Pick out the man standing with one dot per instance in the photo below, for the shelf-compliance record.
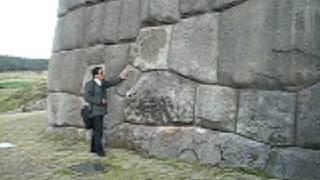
(95, 95)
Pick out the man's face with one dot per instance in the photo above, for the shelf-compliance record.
(101, 74)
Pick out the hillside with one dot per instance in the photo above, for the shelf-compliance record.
(10, 63)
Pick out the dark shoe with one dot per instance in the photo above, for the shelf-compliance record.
(93, 151)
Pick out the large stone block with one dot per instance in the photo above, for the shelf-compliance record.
(116, 59)
(294, 163)
(187, 143)
(130, 20)
(270, 44)
(64, 110)
(69, 32)
(66, 5)
(161, 98)
(192, 143)
(111, 22)
(216, 107)
(66, 71)
(92, 29)
(308, 121)
(237, 151)
(115, 107)
(164, 11)
(267, 116)
(189, 7)
(194, 48)
(151, 48)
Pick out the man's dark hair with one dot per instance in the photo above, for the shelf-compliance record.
(95, 71)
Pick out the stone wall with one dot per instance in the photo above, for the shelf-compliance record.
(224, 82)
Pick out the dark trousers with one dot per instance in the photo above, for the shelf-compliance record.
(96, 138)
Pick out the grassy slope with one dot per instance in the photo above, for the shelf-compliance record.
(19, 88)
(40, 155)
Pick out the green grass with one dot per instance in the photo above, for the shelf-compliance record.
(40, 155)
(19, 88)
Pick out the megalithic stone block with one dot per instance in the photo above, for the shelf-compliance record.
(270, 44)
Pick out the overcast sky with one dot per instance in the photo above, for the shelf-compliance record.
(27, 27)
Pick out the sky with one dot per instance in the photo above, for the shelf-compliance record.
(27, 27)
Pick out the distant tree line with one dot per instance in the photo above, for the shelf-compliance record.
(10, 63)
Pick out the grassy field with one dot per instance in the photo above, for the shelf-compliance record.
(40, 155)
(19, 88)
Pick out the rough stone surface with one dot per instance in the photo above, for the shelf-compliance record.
(263, 44)
(224, 4)
(130, 19)
(66, 71)
(192, 143)
(64, 110)
(161, 98)
(308, 122)
(216, 107)
(194, 48)
(92, 29)
(238, 151)
(111, 22)
(70, 31)
(186, 143)
(132, 78)
(116, 59)
(164, 11)
(115, 107)
(294, 163)
(267, 116)
(151, 48)
(189, 7)
(66, 5)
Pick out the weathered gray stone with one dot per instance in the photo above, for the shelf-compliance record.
(132, 77)
(66, 71)
(64, 110)
(216, 107)
(130, 19)
(224, 4)
(194, 6)
(115, 107)
(70, 31)
(238, 151)
(261, 44)
(194, 48)
(111, 22)
(187, 143)
(95, 54)
(92, 29)
(267, 116)
(116, 59)
(132, 137)
(151, 48)
(308, 121)
(294, 163)
(192, 143)
(66, 5)
(161, 98)
(164, 11)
